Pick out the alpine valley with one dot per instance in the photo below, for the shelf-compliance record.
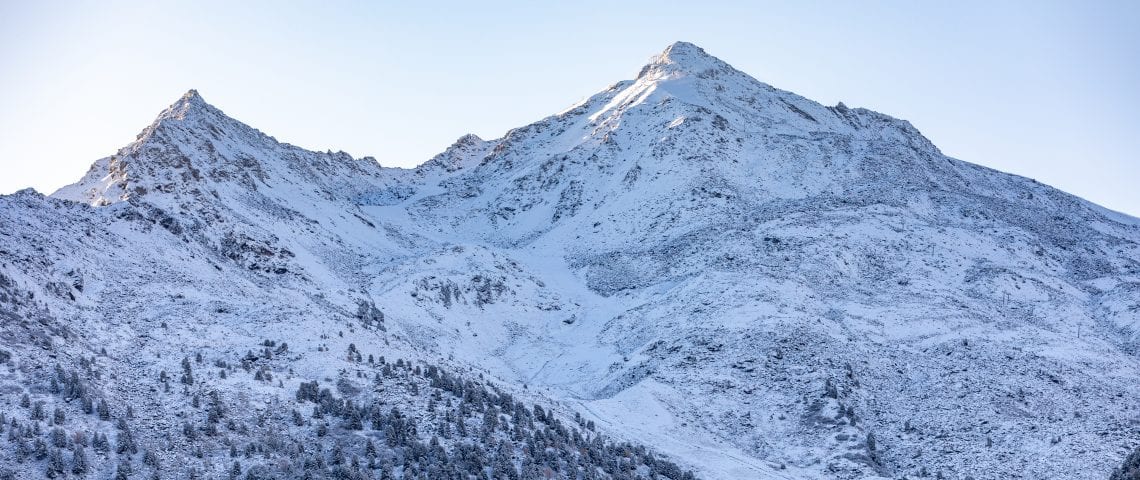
(691, 274)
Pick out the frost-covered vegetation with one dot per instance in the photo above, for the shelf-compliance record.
(379, 419)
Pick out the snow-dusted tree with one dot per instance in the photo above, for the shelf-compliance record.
(187, 374)
(55, 466)
(79, 460)
(1130, 470)
(123, 470)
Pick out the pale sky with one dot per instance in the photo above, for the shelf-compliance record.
(1048, 90)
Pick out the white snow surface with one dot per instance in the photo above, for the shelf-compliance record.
(745, 280)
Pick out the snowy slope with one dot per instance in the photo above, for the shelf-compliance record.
(725, 249)
(749, 282)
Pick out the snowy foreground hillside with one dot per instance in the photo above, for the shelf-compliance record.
(691, 274)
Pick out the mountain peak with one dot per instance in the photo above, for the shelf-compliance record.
(191, 102)
(194, 147)
(192, 97)
(681, 58)
(192, 94)
(683, 50)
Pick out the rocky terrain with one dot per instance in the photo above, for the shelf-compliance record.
(691, 271)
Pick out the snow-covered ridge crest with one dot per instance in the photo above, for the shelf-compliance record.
(193, 148)
(688, 83)
(467, 151)
(119, 177)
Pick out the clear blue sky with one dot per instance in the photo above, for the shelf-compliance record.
(1042, 89)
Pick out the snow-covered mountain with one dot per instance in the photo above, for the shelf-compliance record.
(741, 279)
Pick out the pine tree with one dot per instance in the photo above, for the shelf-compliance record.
(123, 471)
(55, 466)
(39, 449)
(100, 443)
(125, 443)
(151, 459)
(187, 374)
(1130, 470)
(78, 460)
(58, 437)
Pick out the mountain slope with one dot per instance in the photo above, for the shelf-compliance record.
(207, 318)
(749, 282)
(742, 248)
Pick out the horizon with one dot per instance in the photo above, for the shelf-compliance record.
(982, 90)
